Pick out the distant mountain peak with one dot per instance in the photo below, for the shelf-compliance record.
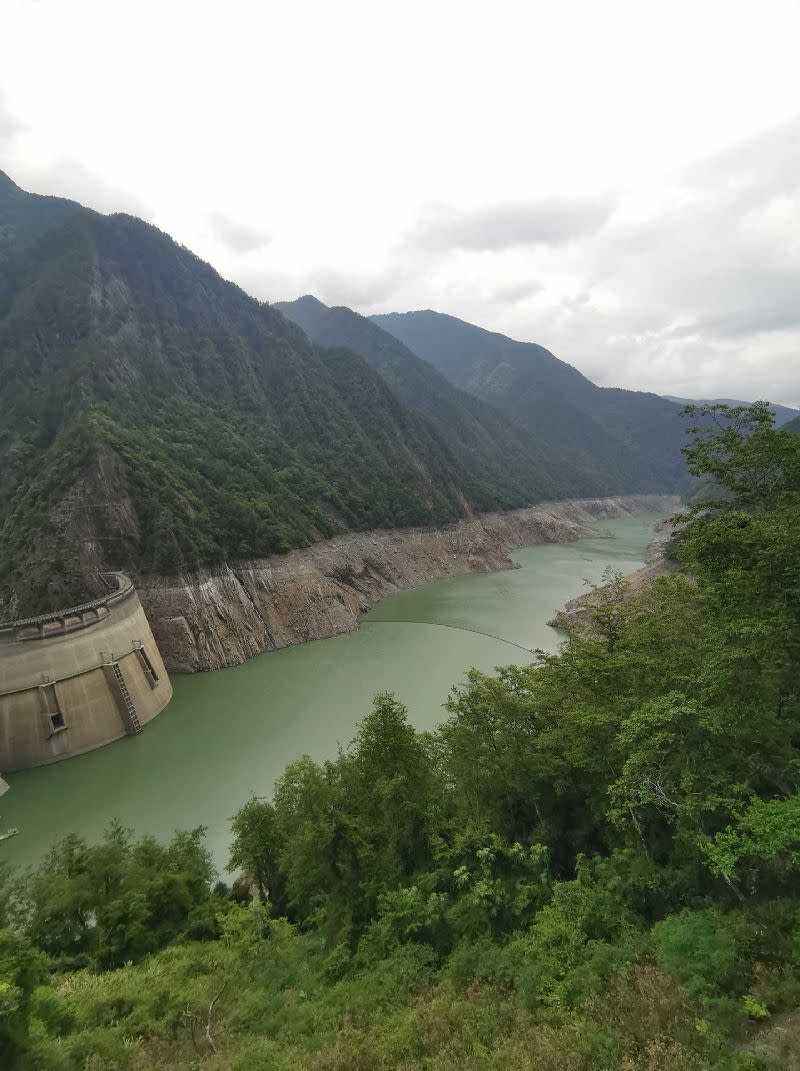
(306, 301)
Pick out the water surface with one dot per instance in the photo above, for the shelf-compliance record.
(229, 734)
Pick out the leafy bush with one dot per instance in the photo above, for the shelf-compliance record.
(699, 948)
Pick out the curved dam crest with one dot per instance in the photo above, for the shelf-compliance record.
(228, 735)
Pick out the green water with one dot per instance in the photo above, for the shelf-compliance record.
(229, 734)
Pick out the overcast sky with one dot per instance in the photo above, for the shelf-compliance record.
(619, 182)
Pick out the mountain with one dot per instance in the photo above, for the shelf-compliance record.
(793, 426)
(155, 417)
(499, 464)
(782, 413)
(634, 438)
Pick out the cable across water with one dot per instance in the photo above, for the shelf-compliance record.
(442, 624)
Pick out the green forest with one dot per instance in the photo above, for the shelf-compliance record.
(592, 864)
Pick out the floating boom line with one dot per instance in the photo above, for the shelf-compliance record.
(442, 624)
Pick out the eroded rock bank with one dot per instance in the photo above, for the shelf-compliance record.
(222, 616)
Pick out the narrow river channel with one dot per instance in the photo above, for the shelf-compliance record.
(228, 735)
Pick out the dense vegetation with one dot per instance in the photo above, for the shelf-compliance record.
(593, 864)
(632, 437)
(494, 455)
(155, 417)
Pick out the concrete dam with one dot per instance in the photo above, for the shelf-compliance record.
(78, 678)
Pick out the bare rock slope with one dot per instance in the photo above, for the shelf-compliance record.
(224, 615)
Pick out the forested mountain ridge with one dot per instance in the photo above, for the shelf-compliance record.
(154, 416)
(634, 438)
(496, 457)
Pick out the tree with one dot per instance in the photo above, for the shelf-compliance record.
(118, 900)
(767, 831)
(256, 851)
(698, 947)
(739, 448)
(683, 767)
(22, 968)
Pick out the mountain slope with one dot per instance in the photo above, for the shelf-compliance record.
(155, 417)
(500, 465)
(782, 413)
(634, 438)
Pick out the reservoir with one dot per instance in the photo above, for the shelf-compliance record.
(229, 735)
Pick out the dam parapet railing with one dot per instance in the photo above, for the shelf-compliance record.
(72, 617)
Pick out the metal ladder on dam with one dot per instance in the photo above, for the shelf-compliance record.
(130, 709)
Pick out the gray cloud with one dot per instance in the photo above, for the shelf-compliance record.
(702, 292)
(780, 313)
(364, 291)
(765, 163)
(516, 292)
(240, 237)
(547, 221)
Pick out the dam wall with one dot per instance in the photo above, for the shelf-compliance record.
(76, 679)
(223, 615)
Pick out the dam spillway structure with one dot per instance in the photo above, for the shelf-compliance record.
(76, 679)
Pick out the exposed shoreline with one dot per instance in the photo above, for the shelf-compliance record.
(224, 615)
(575, 616)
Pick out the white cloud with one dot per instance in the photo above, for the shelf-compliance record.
(10, 125)
(241, 237)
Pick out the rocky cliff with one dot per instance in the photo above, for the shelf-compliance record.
(222, 616)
